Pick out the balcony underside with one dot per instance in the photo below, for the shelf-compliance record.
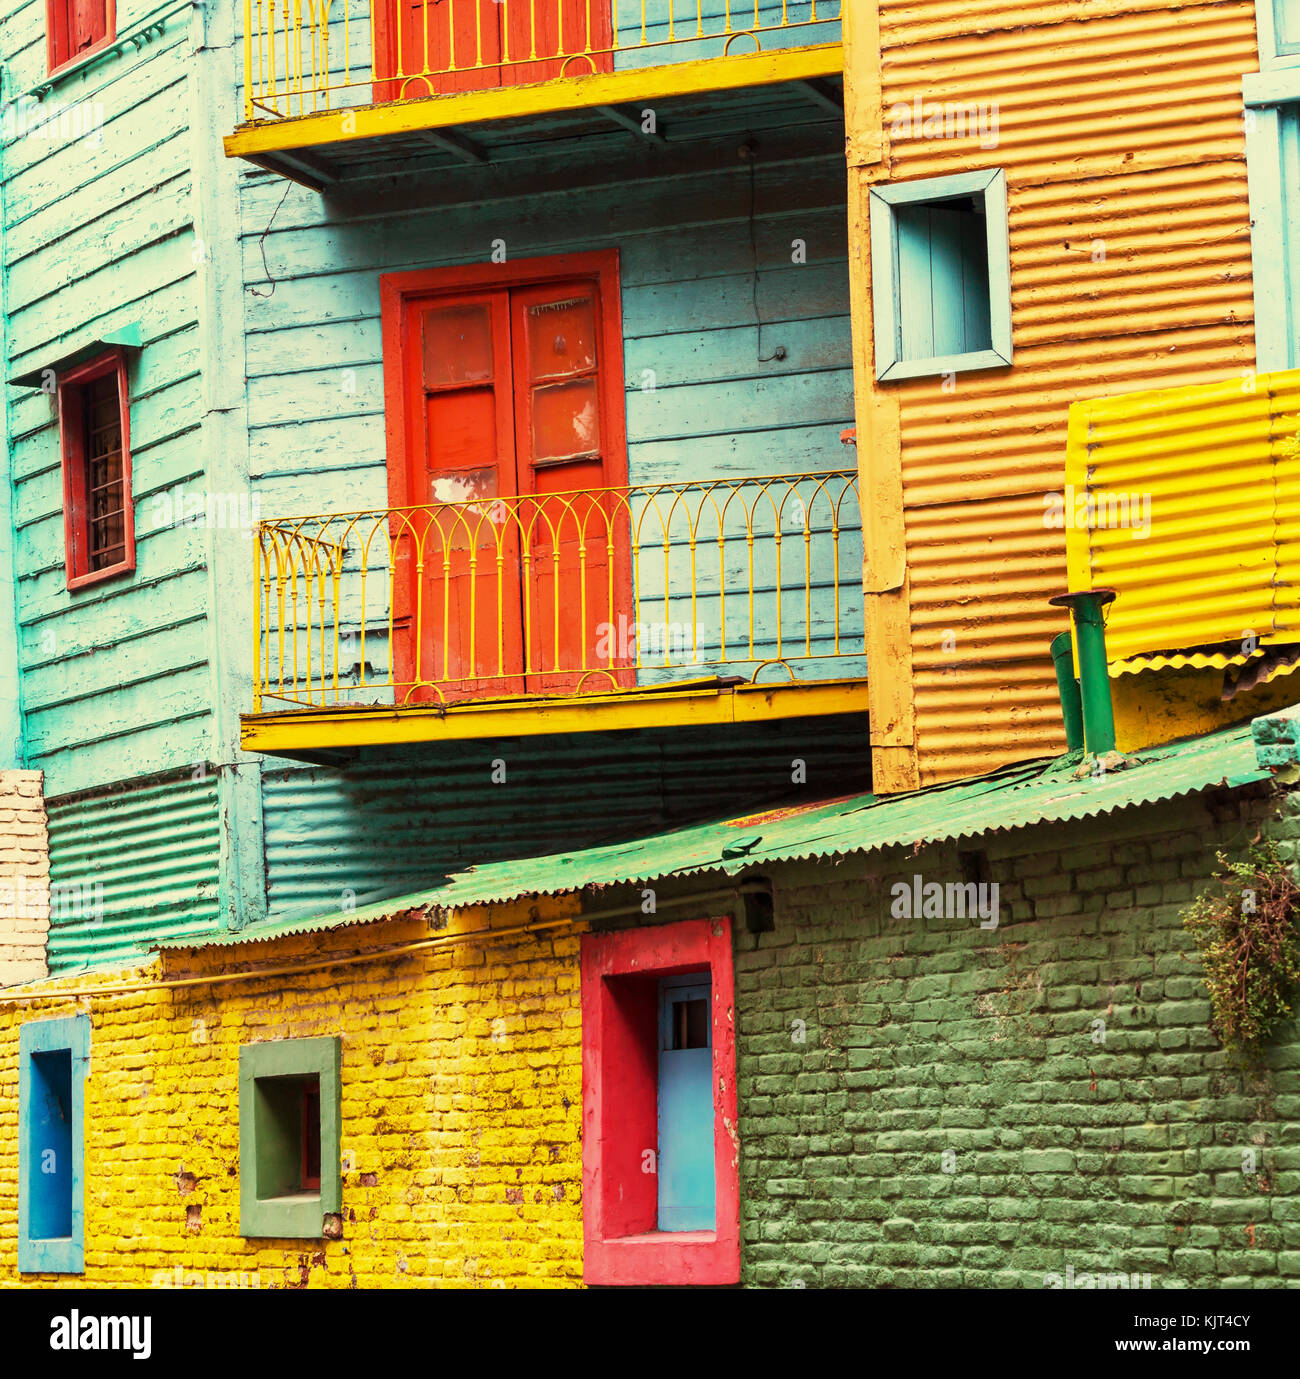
(328, 734)
(329, 147)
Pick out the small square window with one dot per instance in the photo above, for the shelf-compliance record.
(289, 1137)
(940, 275)
(74, 28)
(53, 1057)
(95, 437)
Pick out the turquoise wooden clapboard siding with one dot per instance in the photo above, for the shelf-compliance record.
(700, 402)
(137, 863)
(97, 233)
(386, 826)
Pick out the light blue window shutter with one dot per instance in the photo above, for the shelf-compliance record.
(943, 282)
(915, 294)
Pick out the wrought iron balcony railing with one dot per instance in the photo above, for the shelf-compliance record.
(562, 593)
(305, 56)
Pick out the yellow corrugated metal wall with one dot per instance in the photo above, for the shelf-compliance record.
(1214, 470)
(1120, 129)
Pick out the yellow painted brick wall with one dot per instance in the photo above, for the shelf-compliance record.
(461, 1112)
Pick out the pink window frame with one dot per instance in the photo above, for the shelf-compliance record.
(620, 975)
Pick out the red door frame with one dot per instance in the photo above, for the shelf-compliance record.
(400, 293)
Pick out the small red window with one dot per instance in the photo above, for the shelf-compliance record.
(94, 431)
(77, 27)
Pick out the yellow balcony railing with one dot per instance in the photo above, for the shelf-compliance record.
(306, 56)
(562, 593)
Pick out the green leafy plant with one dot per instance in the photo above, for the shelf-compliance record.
(1245, 928)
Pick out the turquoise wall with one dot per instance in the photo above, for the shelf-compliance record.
(112, 207)
(98, 233)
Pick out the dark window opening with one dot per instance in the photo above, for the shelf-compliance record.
(288, 1136)
(49, 1207)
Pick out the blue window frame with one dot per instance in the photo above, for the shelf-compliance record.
(687, 1190)
(54, 1056)
(941, 275)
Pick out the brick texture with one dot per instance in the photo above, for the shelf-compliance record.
(461, 1114)
(923, 1102)
(926, 1103)
(24, 878)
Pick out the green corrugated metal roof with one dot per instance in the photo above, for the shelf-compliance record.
(1016, 797)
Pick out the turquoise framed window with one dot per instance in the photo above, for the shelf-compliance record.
(1273, 172)
(289, 1127)
(54, 1056)
(941, 275)
(1278, 25)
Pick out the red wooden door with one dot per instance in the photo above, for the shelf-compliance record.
(462, 551)
(435, 47)
(513, 567)
(576, 540)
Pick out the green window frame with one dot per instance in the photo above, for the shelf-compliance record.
(272, 1077)
(941, 290)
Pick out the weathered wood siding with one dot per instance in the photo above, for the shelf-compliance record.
(98, 232)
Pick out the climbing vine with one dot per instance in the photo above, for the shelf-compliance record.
(1245, 928)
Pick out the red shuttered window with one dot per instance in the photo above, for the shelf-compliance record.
(95, 435)
(74, 28)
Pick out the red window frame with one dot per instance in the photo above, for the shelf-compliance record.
(620, 1030)
(72, 388)
(61, 37)
(309, 1181)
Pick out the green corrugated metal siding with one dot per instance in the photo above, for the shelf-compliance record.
(1017, 797)
(388, 825)
(145, 857)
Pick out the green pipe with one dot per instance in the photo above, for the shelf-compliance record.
(1088, 610)
(1071, 700)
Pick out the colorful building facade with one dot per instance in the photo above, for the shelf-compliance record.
(538, 754)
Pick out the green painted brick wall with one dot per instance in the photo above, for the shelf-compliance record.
(926, 1038)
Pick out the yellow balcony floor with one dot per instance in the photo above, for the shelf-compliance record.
(324, 733)
(324, 147)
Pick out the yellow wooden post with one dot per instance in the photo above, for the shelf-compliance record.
(886, 596)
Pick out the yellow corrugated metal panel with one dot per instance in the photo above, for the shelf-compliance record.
(1196, 660)
(1130, 269)
(1212, 471)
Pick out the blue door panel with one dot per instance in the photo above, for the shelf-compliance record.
(686, 1153)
